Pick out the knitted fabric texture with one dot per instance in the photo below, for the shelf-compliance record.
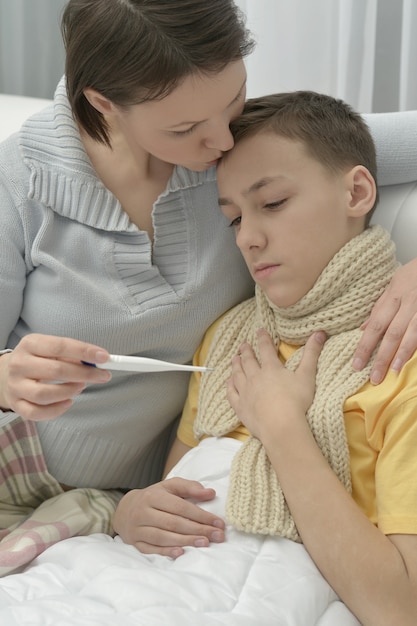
(338, 303)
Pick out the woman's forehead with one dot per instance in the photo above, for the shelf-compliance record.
(199, 96)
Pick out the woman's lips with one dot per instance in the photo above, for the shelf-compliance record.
(212, 163)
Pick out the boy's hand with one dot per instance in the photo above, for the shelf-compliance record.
(394, 320)
(160, 520)
(265, 394)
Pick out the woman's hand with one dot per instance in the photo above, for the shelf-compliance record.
(394, 320)
(29, 375)
(161, 520)
(262, 393)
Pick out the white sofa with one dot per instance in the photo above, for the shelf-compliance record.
(397, 210)
(14, 110)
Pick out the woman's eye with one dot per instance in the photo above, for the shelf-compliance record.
(182, 133)
(239, 97)
(275, 205)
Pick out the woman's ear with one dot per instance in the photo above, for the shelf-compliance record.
(102, 104)
(362, 188)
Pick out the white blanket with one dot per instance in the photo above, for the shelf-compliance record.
(246, 581)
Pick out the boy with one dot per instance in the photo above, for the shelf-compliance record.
(331, 460)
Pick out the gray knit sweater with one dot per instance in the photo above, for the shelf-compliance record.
(72, 264)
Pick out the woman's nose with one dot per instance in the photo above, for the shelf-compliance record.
(220, 137)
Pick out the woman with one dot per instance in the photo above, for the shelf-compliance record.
(111, 239)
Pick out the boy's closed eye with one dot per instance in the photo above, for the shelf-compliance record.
(277, 204)
(235, 222)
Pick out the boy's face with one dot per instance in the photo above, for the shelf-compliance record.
(289, 213)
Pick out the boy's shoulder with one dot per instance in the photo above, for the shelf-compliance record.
(392, 398)
(201, 354)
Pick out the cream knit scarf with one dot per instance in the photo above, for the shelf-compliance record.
(338, 303)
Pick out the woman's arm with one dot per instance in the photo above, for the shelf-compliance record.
(375, 575)
(37, 360)
(394, 320)
(27, 374)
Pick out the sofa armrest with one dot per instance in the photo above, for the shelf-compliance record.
(14, 110)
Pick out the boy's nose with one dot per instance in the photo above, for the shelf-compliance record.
(249, 236)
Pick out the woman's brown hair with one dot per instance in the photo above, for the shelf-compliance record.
(131, 51)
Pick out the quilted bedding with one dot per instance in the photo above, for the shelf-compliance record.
(246, 581)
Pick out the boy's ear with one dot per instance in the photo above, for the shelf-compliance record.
(102, 104)
(362, 188)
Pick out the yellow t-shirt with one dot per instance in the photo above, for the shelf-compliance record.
(381, 427)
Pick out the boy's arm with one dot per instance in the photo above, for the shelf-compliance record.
(176, 453)
(161, 519)
(185, 439)
(375, 575)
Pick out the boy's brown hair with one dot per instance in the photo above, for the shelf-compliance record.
(332, 132)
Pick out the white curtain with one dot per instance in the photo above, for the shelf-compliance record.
(31, 49)
(363, 51)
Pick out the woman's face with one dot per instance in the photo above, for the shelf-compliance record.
(190, 126)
